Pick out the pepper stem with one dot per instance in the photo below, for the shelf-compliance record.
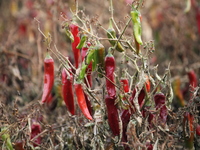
(48, 56)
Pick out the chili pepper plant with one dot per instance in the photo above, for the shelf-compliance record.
(102, 90)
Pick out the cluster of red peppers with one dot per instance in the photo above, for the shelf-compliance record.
(93, 59)
(67, 77)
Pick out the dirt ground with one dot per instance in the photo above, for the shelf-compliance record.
(170, 34)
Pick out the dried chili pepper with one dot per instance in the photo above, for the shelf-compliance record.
(141, 97)
(35, 130)
(67, 91)
(125, 117)
(111, 34)
(48, 77)
(81, 100)
(198, 129)
(160, 99)
(75, 30)
(113, 117)
(137, 29)
(188, 123)
(109, 73)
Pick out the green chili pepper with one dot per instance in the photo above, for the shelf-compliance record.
(82, 42)
(100, 57)
(6, 137)
(69, 34)
(111, 34)
(137, 29)
(83, 70)
(89, 57)
(95, 59)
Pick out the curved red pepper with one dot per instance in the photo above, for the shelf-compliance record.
(74, 30)
(109, 70)
(113, 117)
(48, 77)
(81, 101)
(160, 99)
(67, 91)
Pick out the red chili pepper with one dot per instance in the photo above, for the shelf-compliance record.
(35, 130)
(125, 117)
(81, 100)
(109, 70)
(188, 123)
(192, 78)
(113, 117)
(48, 77)
(89, 105)
(74, 30)
(84, 51)
(125, 84)
(198, 129)
(160, 99)
(148, 84)
(67, 91)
